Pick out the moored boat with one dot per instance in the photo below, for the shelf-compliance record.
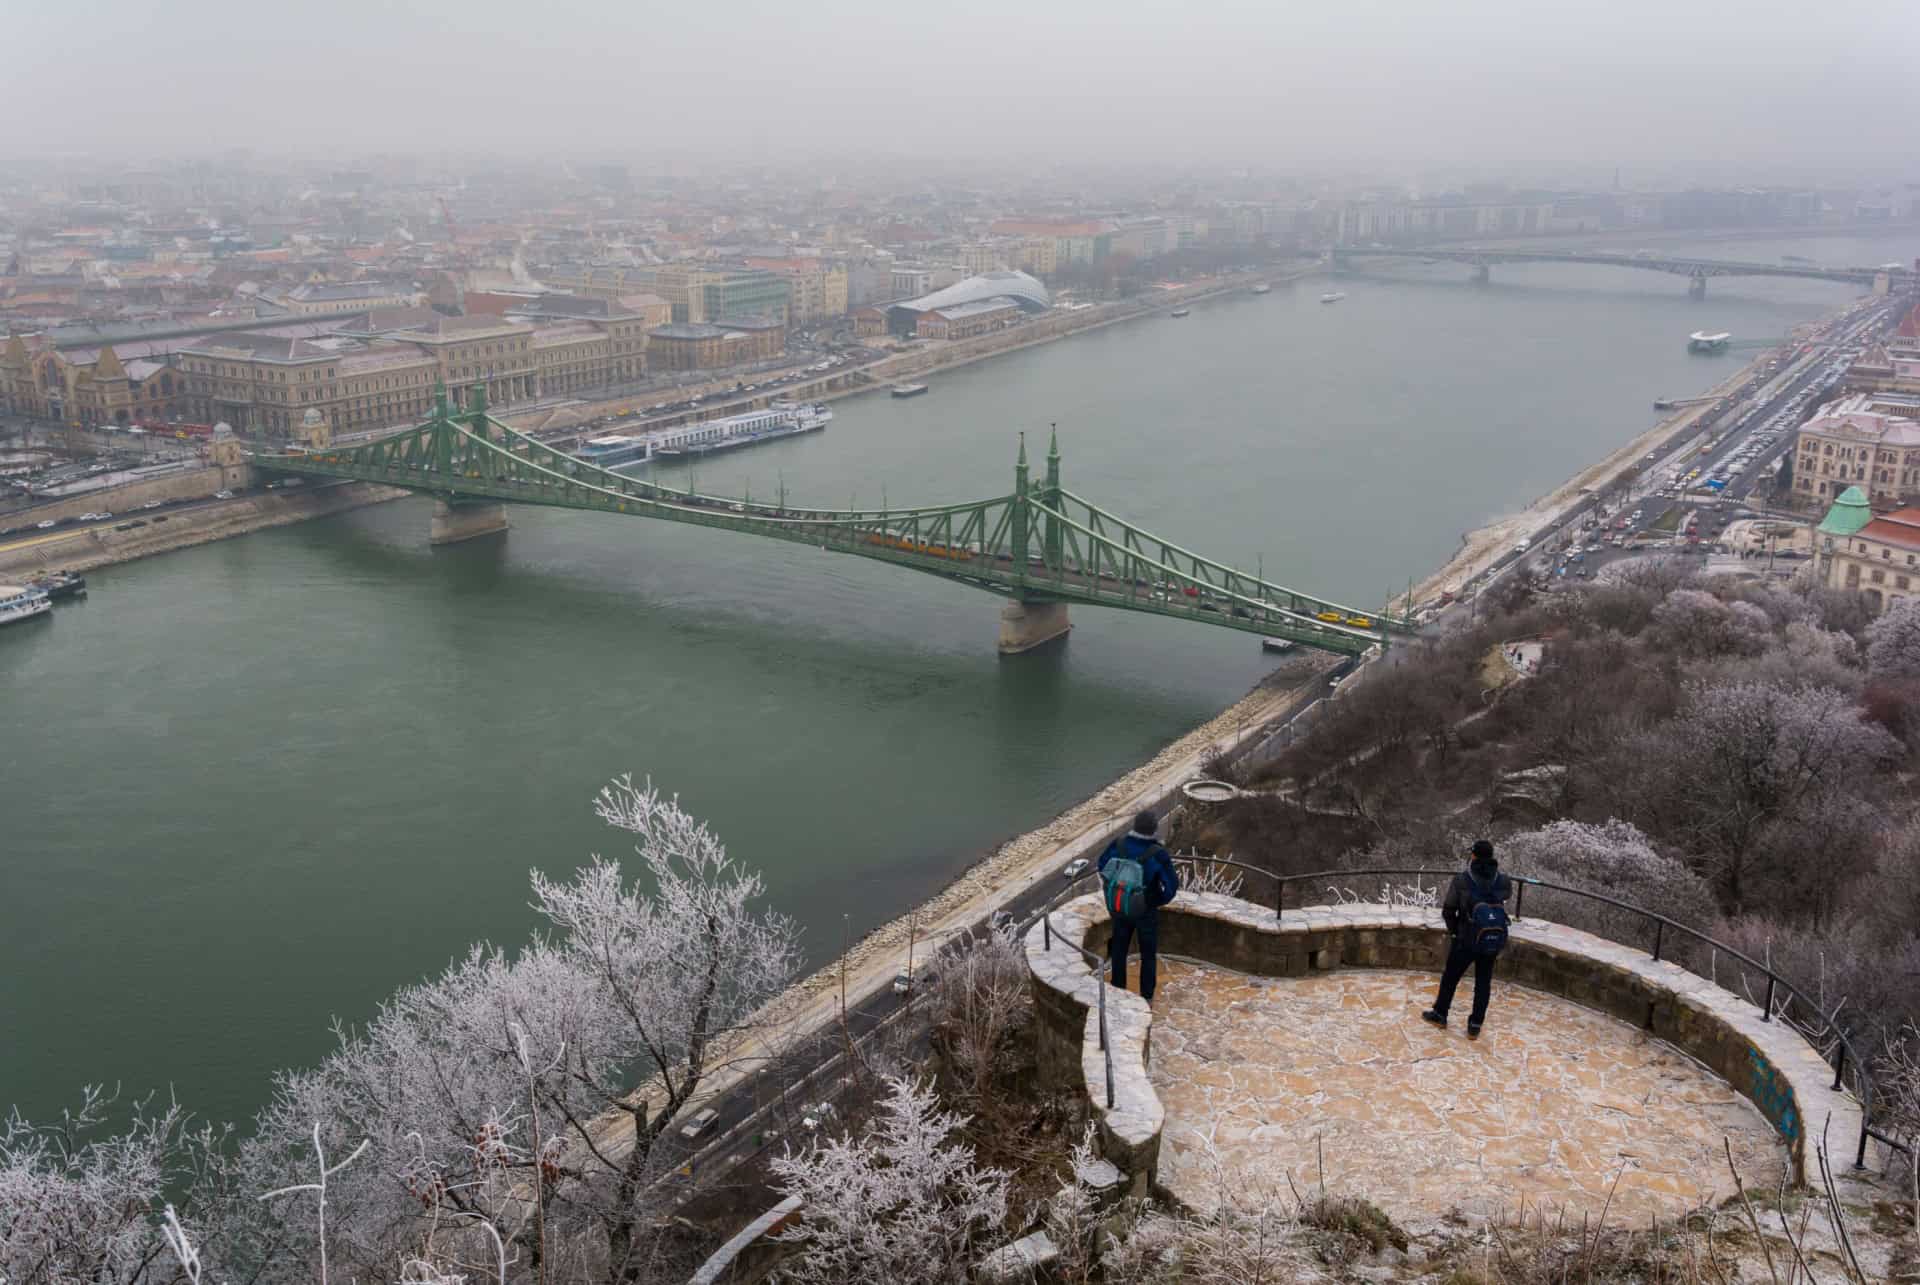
(1334, 296)
(1182, 312)
(59, 585)
(908, 390)
(782, 419)
(22, 602)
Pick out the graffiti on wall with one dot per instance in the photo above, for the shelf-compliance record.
(1773, 1094)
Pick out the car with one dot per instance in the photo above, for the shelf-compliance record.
(1002, 921)
(223, 495)
(1522, 546)
(97, 468)
(903, 983)
(48, 525)
(153, 504)
(699, 1123)
(817, 1115)
(1076, 868)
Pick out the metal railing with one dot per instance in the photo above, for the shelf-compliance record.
(1843, 1056)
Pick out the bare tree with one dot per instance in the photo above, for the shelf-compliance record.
(981, 997)
(1893, 642)
(78, 1202)
(901, 1203)
(1897, 1082)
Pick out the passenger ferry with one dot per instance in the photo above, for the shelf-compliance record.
(782, 419)
(1701, 341)
(609, 452)
(1333, 297)
(22, 602)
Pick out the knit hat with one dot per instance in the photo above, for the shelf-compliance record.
(1146, 823)
(1482, 850)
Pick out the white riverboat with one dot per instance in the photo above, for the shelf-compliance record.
(782, 419)
(22, 602)
(1333, 297)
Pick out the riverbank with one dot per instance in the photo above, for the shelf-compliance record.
(1482, 547)
(103, 546)
(913, 364)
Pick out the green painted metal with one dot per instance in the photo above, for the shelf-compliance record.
(1084, 554)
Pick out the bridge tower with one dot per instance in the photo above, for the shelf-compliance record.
(1697, 285)
(455, 518)
(1032, 620)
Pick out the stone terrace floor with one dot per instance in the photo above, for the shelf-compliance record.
(1547, 1107)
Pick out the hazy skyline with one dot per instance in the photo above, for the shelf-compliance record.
(1720, 89)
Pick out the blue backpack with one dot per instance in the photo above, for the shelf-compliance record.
(1124, 886)
(1486, 922)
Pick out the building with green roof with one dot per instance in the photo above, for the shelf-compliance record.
(1849, 513)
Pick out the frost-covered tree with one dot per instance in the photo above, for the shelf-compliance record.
(1695, 623)
(902, 1203)
(80, 1201)
(498, 1101)
(1755, 777)
(1893, 641)
(1614, 858)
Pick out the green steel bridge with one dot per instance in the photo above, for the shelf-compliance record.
(1042, 547)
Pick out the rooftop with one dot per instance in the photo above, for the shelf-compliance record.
(1849, 513)
(1900, 528)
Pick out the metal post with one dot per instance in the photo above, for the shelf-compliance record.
(1519, 897)
(1280, 898)
(1860, 1156)
(1046, 931)
(1659, 934)
(1766, 1013)
(1840, 1067)
(1101, 978)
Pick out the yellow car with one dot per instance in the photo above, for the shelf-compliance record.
(1331, 617)
(1360, 622)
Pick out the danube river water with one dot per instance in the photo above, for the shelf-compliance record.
(256, 785)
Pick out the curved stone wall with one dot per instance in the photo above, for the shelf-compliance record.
(1769, 1063)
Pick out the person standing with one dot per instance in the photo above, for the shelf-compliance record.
(1475, 913)
(1136, 879)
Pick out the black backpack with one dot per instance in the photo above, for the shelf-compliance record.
(1486, 920)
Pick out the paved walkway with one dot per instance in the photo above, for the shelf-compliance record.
(1547, 1107)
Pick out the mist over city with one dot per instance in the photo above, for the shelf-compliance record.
(625, 630)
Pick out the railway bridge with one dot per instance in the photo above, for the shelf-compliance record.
(1041, 547)
(1697, 271)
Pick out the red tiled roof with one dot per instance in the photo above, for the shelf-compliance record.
(1901, 527)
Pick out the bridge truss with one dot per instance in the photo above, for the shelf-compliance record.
(1039, 544)
(1697, 271)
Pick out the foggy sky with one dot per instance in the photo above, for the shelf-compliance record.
(1749, 89)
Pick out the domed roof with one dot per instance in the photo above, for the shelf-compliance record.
(1849, 513)
(1025, 290)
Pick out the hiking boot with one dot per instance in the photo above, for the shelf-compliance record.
(1473, 1030)
(1435, 1016)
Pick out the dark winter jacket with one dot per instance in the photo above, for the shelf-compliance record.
(1481, 881)
(1163, 881)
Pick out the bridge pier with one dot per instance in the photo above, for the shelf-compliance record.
(1482, 274)
(1026, 625)
(457, 520)
(1696, 287)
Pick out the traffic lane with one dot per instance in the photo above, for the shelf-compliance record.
(72, 527)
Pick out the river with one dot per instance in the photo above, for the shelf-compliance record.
(256, 785)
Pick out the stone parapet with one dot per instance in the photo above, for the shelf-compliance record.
(1768, 1062)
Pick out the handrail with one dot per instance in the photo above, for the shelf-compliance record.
(1863, 1080)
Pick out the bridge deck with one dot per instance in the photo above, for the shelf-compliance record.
(1039, 544)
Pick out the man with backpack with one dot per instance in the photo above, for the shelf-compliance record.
(1136, 879)
(1475, 912)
